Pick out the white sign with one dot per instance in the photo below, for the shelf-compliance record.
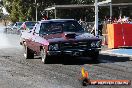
(104, 2)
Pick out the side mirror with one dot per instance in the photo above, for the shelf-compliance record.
(33, 31)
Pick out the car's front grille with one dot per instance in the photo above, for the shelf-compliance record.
(75, 45)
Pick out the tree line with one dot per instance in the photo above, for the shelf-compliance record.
(22, 10)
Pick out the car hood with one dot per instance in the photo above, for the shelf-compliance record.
(71, 36)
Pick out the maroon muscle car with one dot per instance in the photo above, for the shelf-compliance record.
(59, 37)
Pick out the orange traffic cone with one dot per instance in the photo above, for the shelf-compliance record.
(84, 78)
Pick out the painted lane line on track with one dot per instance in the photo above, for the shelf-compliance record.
(110, 52)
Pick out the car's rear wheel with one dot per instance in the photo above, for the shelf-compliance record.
(28, 53)
(43, 56)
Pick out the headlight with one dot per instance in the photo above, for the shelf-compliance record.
(53, 47)
(96, 44)
(93, 44)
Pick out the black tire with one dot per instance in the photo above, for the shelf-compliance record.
(86, 82)
(43, 56)
(28, 53)
(95, 56)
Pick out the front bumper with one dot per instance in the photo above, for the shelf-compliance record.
(73, 52)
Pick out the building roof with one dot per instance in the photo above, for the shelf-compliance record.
(122, 1)
(56, 20)
(75, 6)
(68, 6)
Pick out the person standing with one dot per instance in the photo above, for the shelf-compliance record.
(45, 17)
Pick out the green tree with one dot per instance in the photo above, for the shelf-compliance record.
(20, 10)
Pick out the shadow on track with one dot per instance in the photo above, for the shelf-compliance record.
(86, 60)
(113, 59)
(71, 60)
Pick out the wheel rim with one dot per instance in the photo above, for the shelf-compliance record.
(25, 51)
(43, 55)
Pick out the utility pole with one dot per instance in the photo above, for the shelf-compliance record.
(36, 10)
(55, 13)
(96, 4)
(110, 9)
(96, 17)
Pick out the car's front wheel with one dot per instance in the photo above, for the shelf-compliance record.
(28, 53)
(43, 55)
(94, 56)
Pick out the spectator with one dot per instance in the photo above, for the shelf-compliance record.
(45, 17)
(115, 20)
(119, 20)
(110, 20)
(125, 19)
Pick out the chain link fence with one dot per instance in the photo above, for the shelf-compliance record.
(89, 27)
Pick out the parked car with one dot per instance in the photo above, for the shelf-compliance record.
(17, 25)
(26, 26)
(9, 27)
(59, 37)
(13, 27)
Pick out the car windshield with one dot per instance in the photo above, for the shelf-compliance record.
(62, 26)
(19, 24)
(30, 24)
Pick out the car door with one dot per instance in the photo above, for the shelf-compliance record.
(39, 39)
(36, 42)
(28, 38)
